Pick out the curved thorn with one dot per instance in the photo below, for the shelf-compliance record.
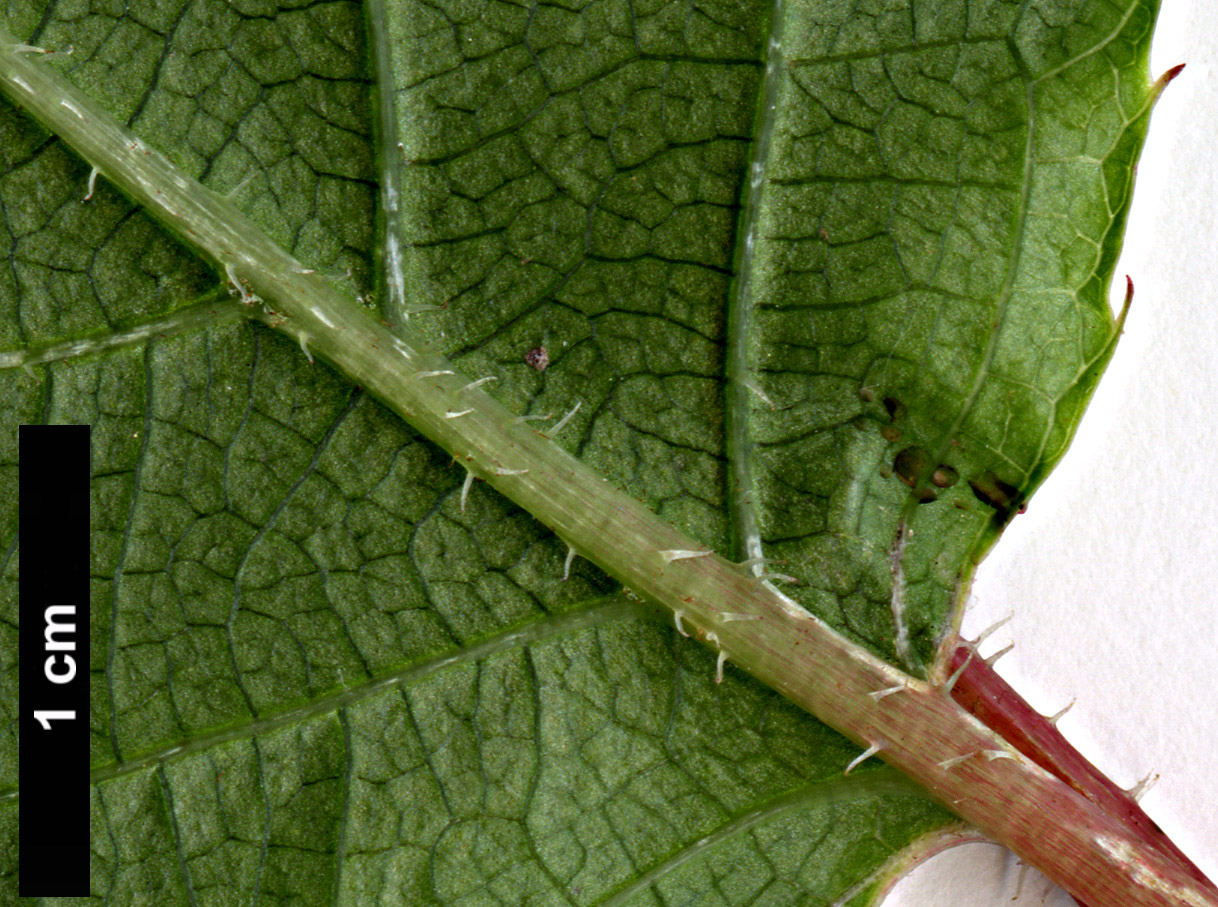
(947, 764)
(989, 631)
(562, 423)
(479, 382)
(951, 681)
(997, 655)
(1139, 790)
(1054, 718)
(719, 662)
(862, 757)
(465, 487)
(883, 694)
(676, 616)
(566, 567)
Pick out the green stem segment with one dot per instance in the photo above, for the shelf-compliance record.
(916, 726)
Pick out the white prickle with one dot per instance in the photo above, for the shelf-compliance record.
(562, 423)
(566, 566)
(436, 374)
(92, 182)
(951, 681)
(885, 693)
(991, 755)
(1138, 791)
(727, 617)
(997, 655)
(989, 631)
(719, 663)
(1053, 719)
(948, 764)
(510, 472)
(304, 346)
(676, 617)
(785, 577)
(862, 757)
(465, 487)
(247, 298)
(682, 555)
(457, 415)
(479, 383)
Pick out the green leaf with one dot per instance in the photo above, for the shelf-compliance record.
(790, 260)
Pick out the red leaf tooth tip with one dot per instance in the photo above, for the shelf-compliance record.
(1166, 78)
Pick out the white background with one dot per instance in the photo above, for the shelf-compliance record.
(1112, 574)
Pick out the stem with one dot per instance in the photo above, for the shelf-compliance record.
(988, 697)
(919, 729)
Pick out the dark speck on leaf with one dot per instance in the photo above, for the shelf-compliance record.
(1004, 498)
(896, 409)
(539, 358)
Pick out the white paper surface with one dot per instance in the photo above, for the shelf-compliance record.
(1112, 574)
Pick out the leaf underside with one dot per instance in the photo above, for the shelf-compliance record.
(828, 281)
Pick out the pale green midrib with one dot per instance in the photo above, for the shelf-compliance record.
(873, 783)
(742, 508)
(390, 280)
(602, 611)
(215, 309)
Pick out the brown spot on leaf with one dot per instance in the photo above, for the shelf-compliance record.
(867, 394)
(539, 358)
(945, 476)
(911, 463)
(890, 433)
(991, 490)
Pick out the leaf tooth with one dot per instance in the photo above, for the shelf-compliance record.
(304, 346)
